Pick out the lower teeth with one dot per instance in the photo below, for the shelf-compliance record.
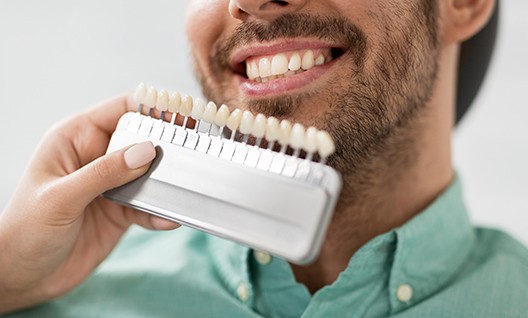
(273, 77)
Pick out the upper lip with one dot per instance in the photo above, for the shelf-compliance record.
(241, 54)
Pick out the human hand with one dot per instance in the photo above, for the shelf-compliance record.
(57, 228)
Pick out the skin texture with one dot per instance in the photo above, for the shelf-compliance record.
(390, 110)
(387, 100)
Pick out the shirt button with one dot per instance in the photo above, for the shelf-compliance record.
(404, 293)
(262, 258)
(243, 292)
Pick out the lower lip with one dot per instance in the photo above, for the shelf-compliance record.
(285, 84)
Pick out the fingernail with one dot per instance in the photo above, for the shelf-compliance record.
(139, 155)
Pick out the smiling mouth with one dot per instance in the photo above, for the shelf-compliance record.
(264, 67)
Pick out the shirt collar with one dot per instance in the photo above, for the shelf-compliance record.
(422, 255)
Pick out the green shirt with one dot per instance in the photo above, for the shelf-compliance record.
(436, 265)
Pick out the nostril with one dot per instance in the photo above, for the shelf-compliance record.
(263, 9)
(274, 4)
(242, 13)
(282, 3)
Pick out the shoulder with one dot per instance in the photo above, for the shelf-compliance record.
(493, 282)
(500, 249)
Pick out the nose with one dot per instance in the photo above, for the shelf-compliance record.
(263, 9)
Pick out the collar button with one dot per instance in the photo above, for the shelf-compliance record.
(262, 258)
(404, 293)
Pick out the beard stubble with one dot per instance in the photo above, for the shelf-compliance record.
(372, 115)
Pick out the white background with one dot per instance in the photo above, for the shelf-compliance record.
(58, 57)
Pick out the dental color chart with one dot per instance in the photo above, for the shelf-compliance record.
(248, 178)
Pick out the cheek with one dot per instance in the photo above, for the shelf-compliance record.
(205, 20)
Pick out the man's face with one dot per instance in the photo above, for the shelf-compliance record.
(367, 67)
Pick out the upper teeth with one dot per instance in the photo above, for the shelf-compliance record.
(285, 64)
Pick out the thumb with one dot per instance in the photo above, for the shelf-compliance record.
(110, 171)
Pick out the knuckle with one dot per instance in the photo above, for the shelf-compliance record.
(110, 167)
(64, 125)
(106, 169)
(55, 127)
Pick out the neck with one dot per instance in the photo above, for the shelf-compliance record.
(396, 192)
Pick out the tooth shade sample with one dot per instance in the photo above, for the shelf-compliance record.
(151, 97)
(221, 116)
(259, 126)
(198, 109)
(186, 106)
(284, 132)
(234, 119)
(320, 60)
(264, 67)
(297, 136)
(140, 93)
(325, 144)
(295, 62)
(247, 122)
(272, 129)
(210, 112)
(162, 103)
(175, 102)
(310, 140)
(307, 60)
(279, 64)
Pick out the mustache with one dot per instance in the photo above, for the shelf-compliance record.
(338, 30)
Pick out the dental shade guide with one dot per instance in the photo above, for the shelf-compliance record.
(244, 191)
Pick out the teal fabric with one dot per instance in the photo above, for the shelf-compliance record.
(452, 268)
